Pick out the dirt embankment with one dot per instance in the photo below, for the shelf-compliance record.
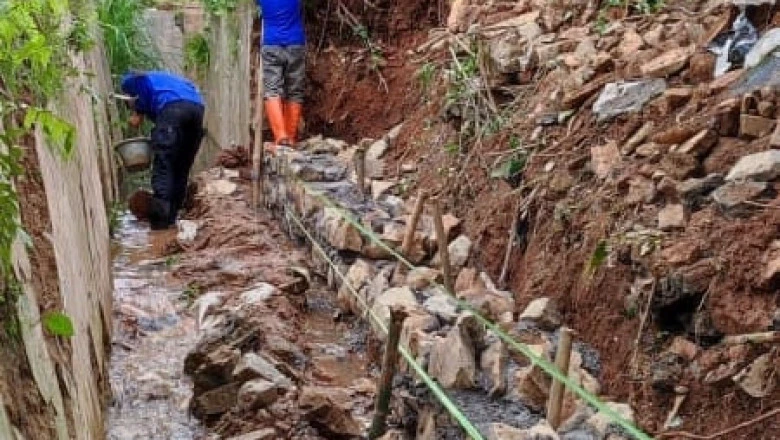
(659, 278)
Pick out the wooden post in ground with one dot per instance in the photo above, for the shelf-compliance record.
(444, 251)
(360, 169)
(385, 385)
(562, 357)
(411, 227)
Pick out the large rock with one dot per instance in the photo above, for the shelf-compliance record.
(340, 233)
(253, 366)
(453, 358)
(489, 303)
(402, 297)
(421, 278)
(627, 97)
(459, 249)
(328, 410)
(733, 196)
(217, 401)
(543, 313)
(669, 63)
(761, 167)
(358, 276)
(531, 384)
(603, 424)
(512, 52)
(493, 362)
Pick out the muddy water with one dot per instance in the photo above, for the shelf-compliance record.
(152, 334)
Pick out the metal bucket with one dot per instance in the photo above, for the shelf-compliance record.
(136, 153)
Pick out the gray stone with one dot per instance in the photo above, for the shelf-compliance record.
(459, 251)
(253, 366)
(626, 97)
(542, 312)
(541, 431)
(767, 44)
(493, 362)
(512, 52)
(258, 393)
(693, 190)
(441, 305)
(733, 196)
(762, 167)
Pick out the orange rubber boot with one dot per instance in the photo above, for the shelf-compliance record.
(292, 118)
(274, 111)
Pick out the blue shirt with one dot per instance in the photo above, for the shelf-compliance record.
(282, 22)
(155, 90)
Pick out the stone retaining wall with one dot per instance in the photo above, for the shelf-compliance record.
(499, 390)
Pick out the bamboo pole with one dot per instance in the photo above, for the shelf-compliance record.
(411, 227)
(385, 385)
(360, 169)
(562, 357)
(441, 239)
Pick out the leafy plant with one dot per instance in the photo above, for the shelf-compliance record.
(128, 43)
(219, 7)
(598, 257)
(197, 55)
(426, 75)
(58, 324)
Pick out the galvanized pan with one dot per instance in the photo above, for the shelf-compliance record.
(136, 153)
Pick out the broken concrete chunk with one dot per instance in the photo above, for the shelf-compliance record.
(542, 312)
(752, 127)
(671, 217)
(626, 97)
(761, 167)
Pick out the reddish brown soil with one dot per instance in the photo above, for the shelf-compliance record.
(558, 248)
(26, 407)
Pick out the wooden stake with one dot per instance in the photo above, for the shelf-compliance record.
(389, 363)
(411, 228)
(441, 239)
(360, 169)
(562, 357)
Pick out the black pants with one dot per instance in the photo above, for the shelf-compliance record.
(176, 138)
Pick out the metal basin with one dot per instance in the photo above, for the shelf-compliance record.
(136, 153)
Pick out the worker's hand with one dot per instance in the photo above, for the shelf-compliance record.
(136, 120)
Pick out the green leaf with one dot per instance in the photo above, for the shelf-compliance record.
(598, 257)
(58, 324)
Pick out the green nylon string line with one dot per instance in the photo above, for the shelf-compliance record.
(548, 367)
(454, 411)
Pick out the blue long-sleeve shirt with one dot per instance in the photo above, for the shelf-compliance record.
(154, 90)
(282, 22)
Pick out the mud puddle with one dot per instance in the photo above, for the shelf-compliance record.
(152, 334)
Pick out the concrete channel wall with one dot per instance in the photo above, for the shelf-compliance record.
(69, 376)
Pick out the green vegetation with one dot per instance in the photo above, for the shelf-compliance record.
(219, 7)
(58, 324)
(197, 55)
(128, 44)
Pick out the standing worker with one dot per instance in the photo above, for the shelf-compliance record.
(176, 107)
(284, 67)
